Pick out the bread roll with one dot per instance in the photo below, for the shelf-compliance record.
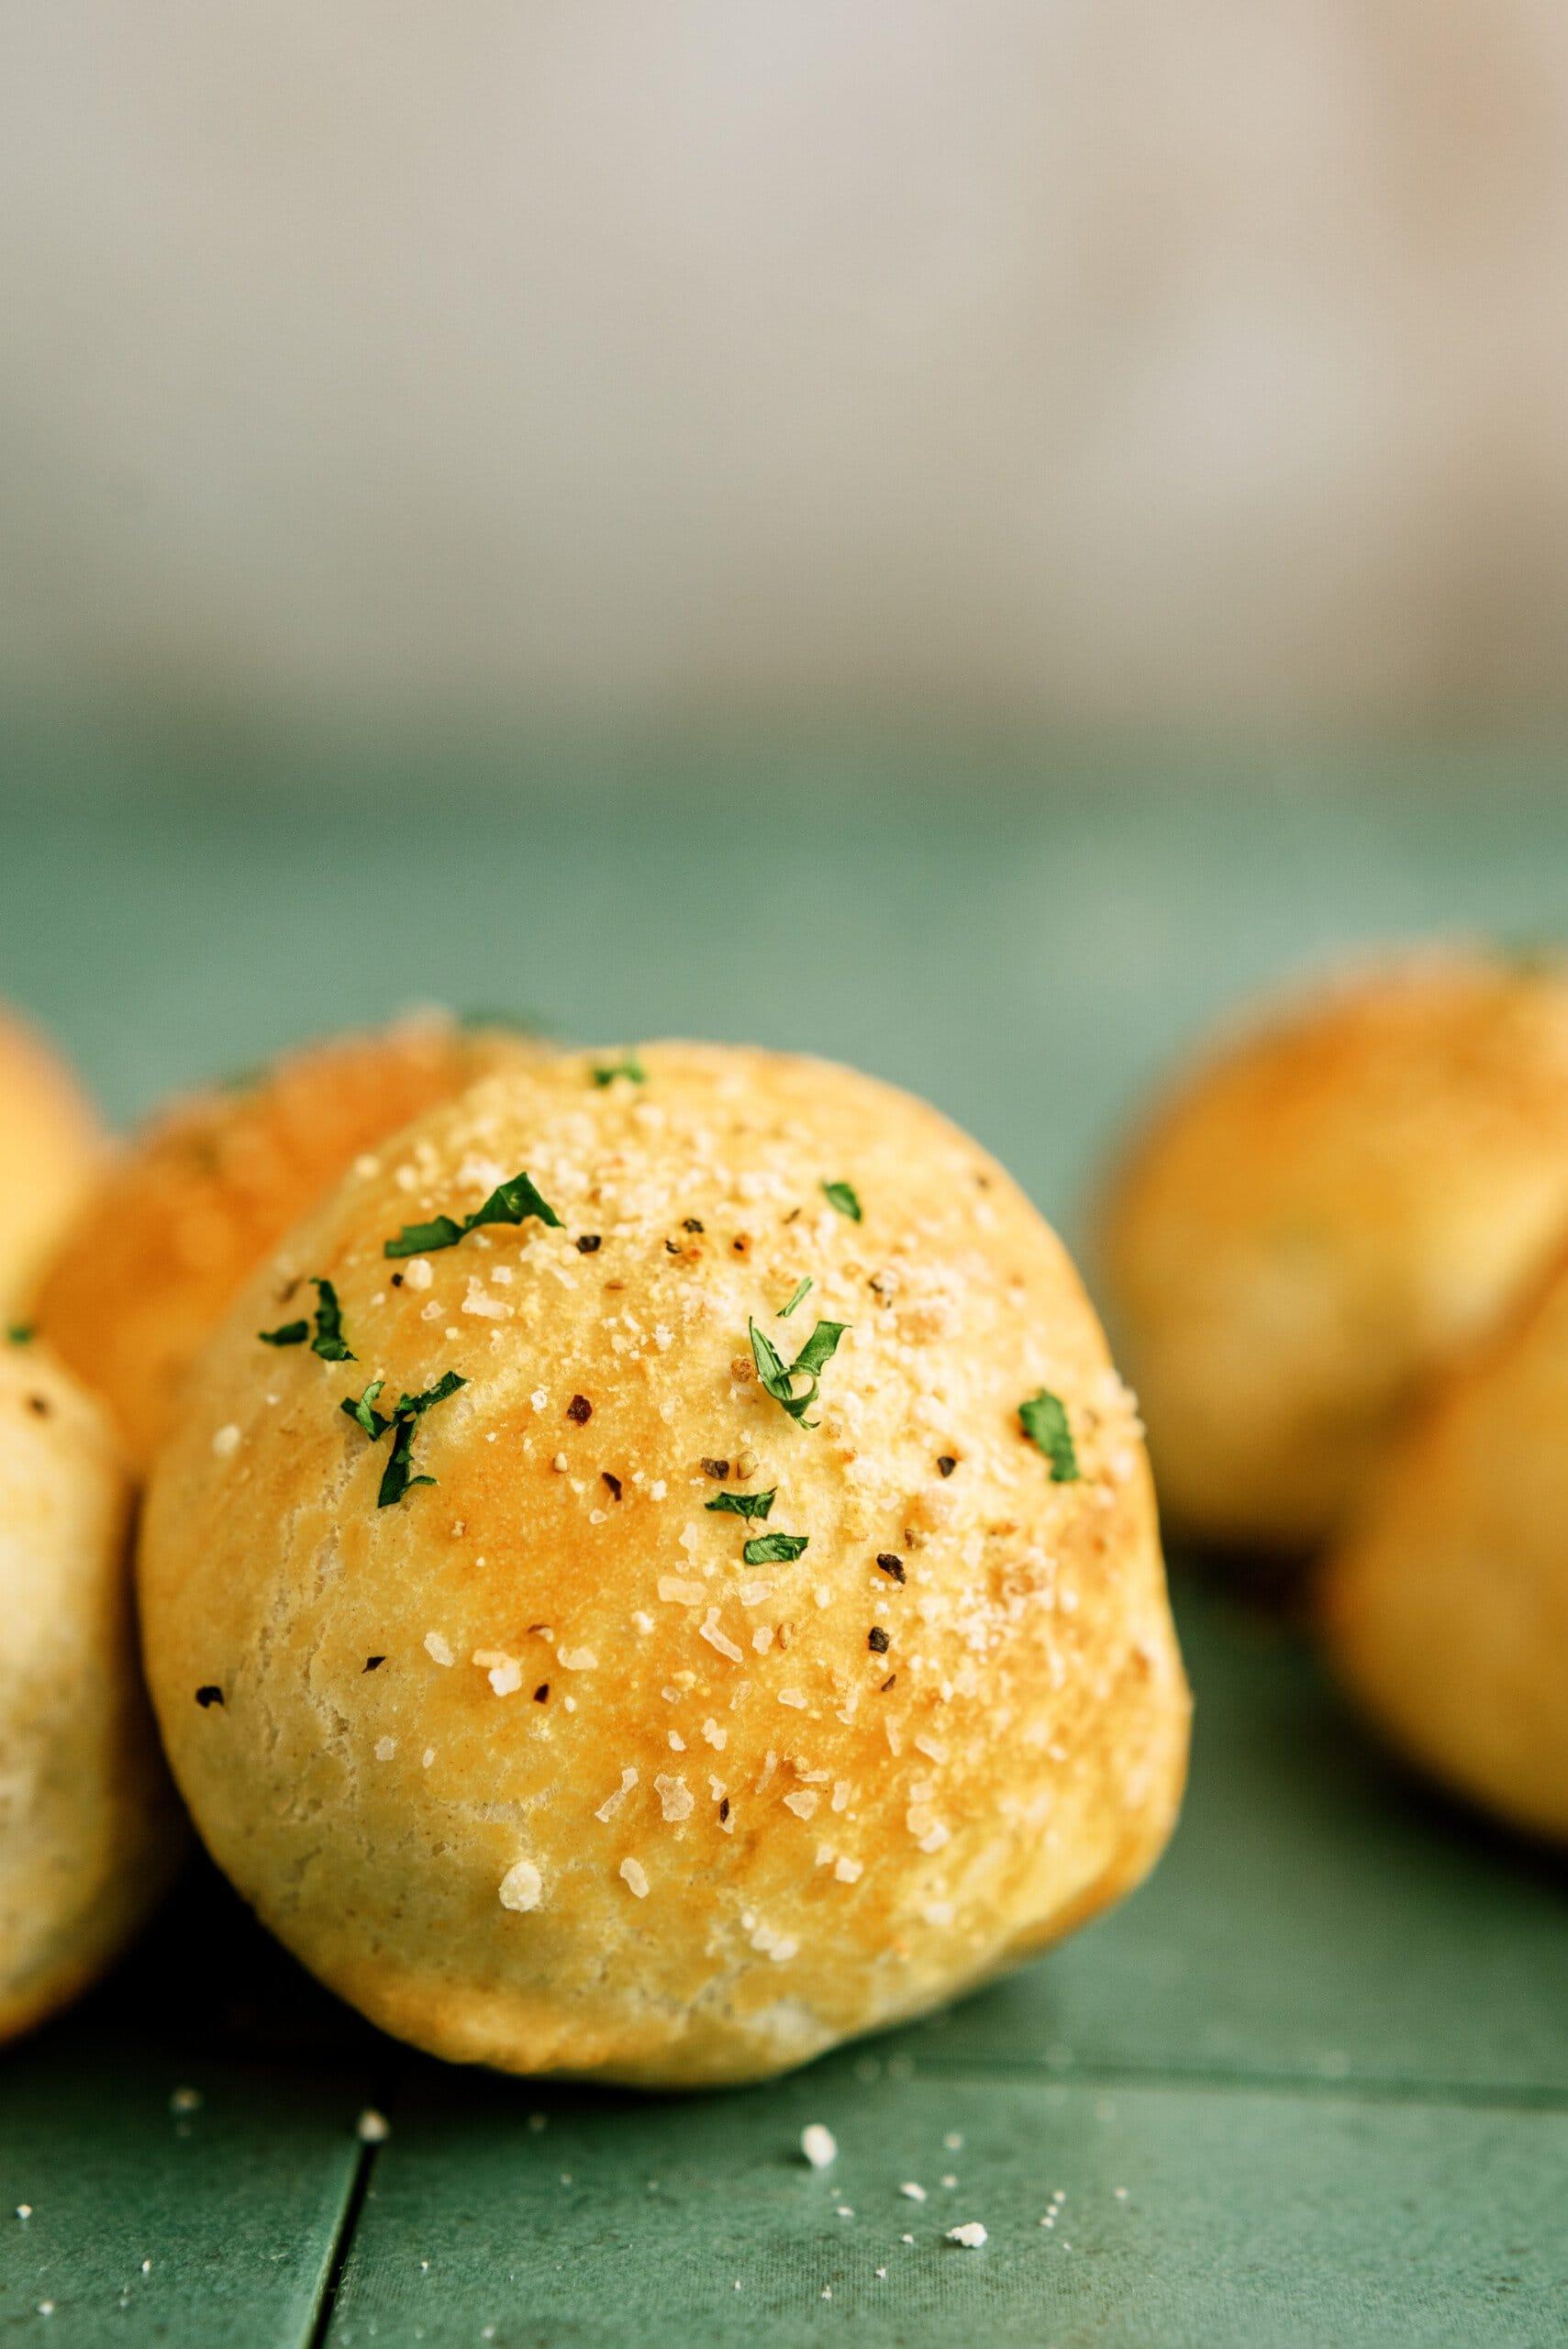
(533, 1764)
(205, 1192)
(89, 1830)
(1446, 1606)
(1320, 1216)
(49, 1146)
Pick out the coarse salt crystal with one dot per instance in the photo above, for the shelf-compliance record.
(819, 2146)
(849, 1871)
(634, 1878)
(802, 1802)
(522, 1886)
(971, 2234)
(709, 1631)
(717, 1738)
(912, 2192)
(676, 1591)
(437, 1649)
(417, 1273)
(675, 1798)
(226, 1443)
(504, 1672)
(385, 1747)
(612, 1803)
(578, 1659)
(372, 2128)
(791, 1696)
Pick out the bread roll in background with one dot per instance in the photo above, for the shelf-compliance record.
(90, 1832)
(1445, 1609)
(50, 1143)
(207, 1190)
(533, 1763)
(1320, 1215)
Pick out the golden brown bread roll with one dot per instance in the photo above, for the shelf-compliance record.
(1445, 1609)
(209, 1188)
(89, 1828)
(1315, 1221)
(534, 1762)
(50, 1144)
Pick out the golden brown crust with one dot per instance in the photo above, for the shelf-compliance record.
(1317, 1219)
(89, 1830)
(50, 1146)
(204, 1193)
(1445, 1609)
(821, 1834)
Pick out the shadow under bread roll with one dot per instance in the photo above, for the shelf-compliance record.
(90, 1830)
(1314, 1222)
(208, 1188)
(718, 1610)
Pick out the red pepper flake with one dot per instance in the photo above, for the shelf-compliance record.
(373, 1662)
(672, 1247)
(690, 1223)
(887, 1684)
(741, 1244)
(589, 1243)
(542, 1693)
(877, 1640)
(891, 1566)
(397, 1280)
(613, 1482)
(209, 1696)
(580, 1409)
(946, 1463)
(724, 1808)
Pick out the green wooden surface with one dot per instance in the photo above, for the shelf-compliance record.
(1325, 2051)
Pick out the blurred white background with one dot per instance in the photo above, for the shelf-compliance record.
(1076, 360)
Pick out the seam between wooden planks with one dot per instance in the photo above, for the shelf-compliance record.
(1341, 2087)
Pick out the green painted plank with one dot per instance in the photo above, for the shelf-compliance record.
(1318, 1915)
(1248, 2220)
(237, 2205)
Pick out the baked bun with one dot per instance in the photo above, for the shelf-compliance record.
(1319, 1216)
(89, 1830)
(1446, 1607)
(48, 1147)
(532, 1764)
(205, 1192)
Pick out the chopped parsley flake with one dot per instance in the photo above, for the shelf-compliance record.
(843, 1196)
(785, 1310)
(755, 1505)
(779, 1381)
(291, 1333)
(1044, 1421)
(774, 1548)
(19, 1334)
(398, 1477)
(511, 1202)
(631, 1068)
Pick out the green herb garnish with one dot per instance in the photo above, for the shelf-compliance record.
(19, 1334)
(630, 1067)
(328, 1342)
(1044, 1421)
(744, 1504)
(785, 1310)
(774, 1548)
(292, 1333)
(511, 1202)
(779, 1381)
(842, 1196)
(396, 1478)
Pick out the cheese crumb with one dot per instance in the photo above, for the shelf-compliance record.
(417, 1273)
(970, 2235)
(372, 2128)
(912, 2192)
(819, 2146)
(504, 1672)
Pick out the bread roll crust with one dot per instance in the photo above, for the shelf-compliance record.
(89, 1830)
(1316, 1220)
(663, 1816)
(49, 1146)
(1445, 1608)
(209, 1187)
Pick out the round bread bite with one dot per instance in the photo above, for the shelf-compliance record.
(89, 1828)
(718, 1610)
(205, 1192)
(1317, 1220)
(1445, 1609)
(48, 1146)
